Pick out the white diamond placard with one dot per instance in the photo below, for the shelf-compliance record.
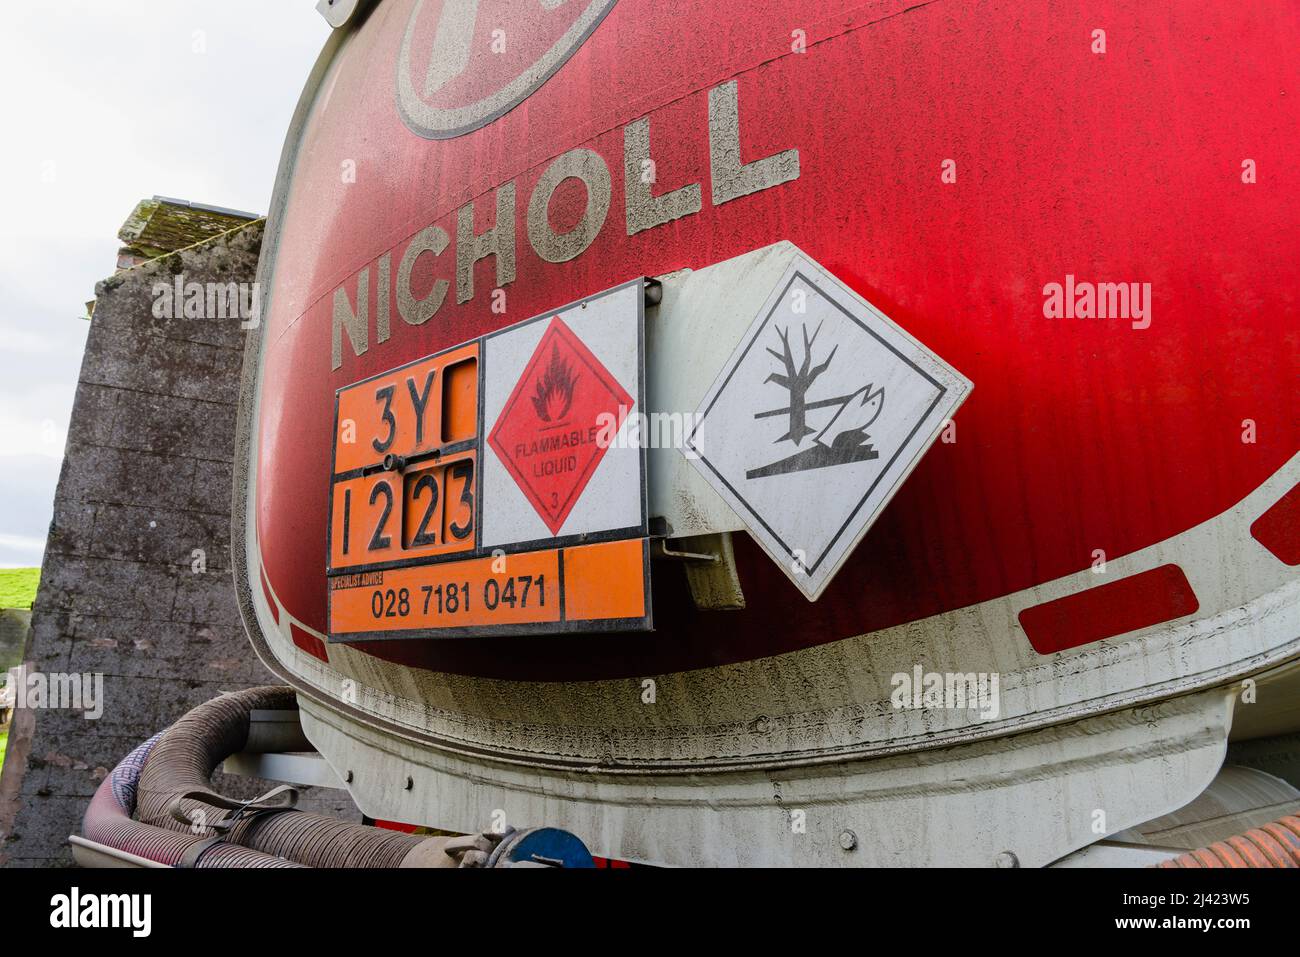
(819, 415)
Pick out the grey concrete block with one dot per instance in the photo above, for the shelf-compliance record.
(173, 367)
(39, 837)
(211, 490)
(108, 588)
(15, 624)
(173, 425)
(207, 598)
(92, 414)
(163, 649)
(72, 528)
(98, 474)
(160, 536)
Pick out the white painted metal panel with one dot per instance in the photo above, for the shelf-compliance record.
(609, 325)
(1024, 800)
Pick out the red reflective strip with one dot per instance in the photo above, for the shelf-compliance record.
(1116, 608)
(1278, 529)
(397, 826)
(307, 642)
(266, 592)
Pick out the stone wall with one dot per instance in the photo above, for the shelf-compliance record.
(14, 624)
(136, 582)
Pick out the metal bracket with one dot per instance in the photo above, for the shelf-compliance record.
(710, 565)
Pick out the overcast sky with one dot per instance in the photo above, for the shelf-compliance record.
(105, 103)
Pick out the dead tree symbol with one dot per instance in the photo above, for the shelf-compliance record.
(797, 381)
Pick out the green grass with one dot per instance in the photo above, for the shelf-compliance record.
(18, 587)
(17, 590)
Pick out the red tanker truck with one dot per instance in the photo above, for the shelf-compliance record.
(785, 433)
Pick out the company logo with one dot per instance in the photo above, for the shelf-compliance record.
(75, 909)
(479, 59)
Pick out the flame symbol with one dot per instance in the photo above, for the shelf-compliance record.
(554, 389)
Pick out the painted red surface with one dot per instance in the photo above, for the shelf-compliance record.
(1278, 529)
(397, 826)
(1080, 434)
(1115, 608)
(308, 642)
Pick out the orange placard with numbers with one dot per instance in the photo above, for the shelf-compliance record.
(409, 412)
(492, 595)
(407, 557)
(387, 516)
(406, 464)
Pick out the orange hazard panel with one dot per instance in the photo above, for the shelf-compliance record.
(524, 592)
(410, 411)
(406, 557)
(605, 581)
(460, 400)
(388, 516)
(405, 478)
(466, 594)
